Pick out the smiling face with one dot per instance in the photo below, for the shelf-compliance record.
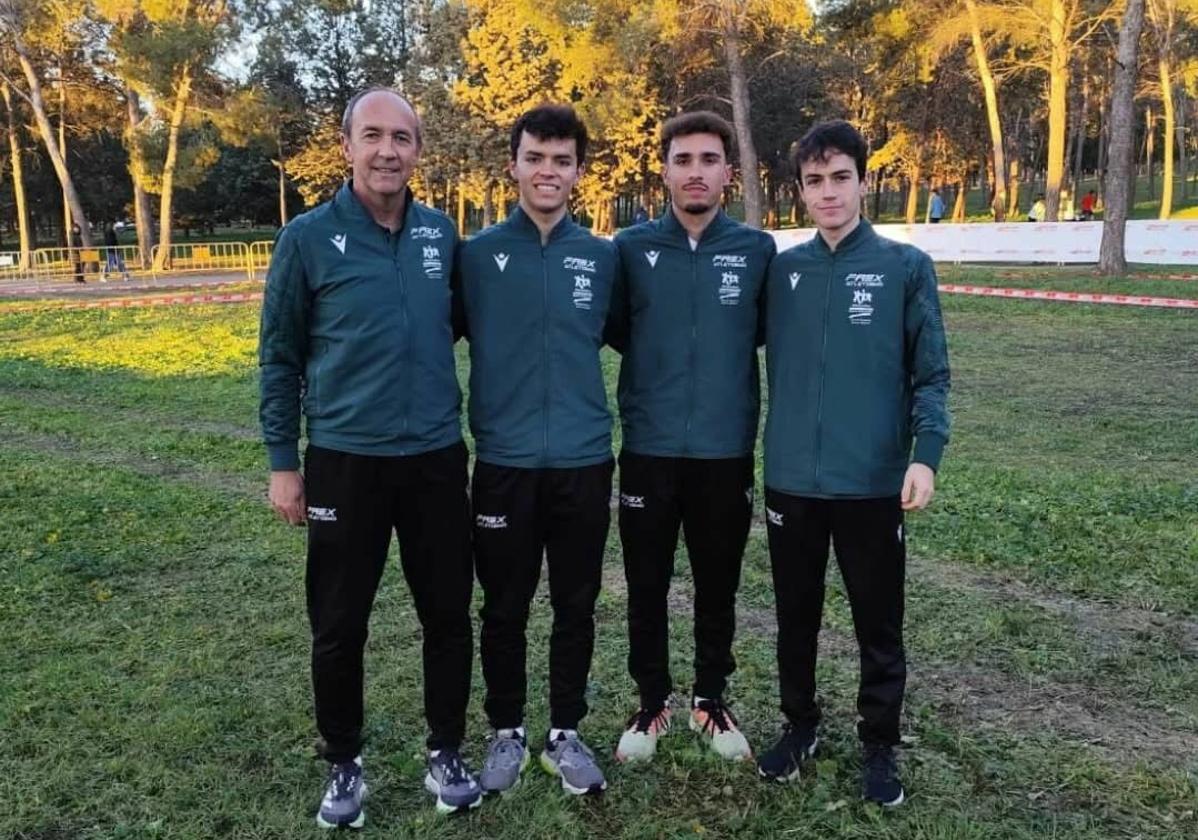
(832, 191)
(696, 172)
(383, 146)
(545, 170)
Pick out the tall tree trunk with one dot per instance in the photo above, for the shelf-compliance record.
(1104, 131)
(47, 131)
(461, 208)
(1058, 88)
(182, 94)
(959, 204)
(62, 145)
(142, 215)
(999, 200)
(1181, 143)
(1013, 208)
(912, 196)
(1079, 137)
(742, 121)
(1149, 148)
(1170, 131)
(488, 204)
(281, 165)
(18, 179)
(1120, 177)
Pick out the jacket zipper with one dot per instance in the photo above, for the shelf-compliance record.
(407, 331)
(545, 354)
(694, 340)
(823, 355)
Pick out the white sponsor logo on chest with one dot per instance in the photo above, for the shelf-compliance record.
(730, 261)
(424, 232)
(432, 260)
(730, 288)
(578, 264)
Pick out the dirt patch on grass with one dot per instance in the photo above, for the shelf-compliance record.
(114, 411)
(1101, 623)
(150, 466)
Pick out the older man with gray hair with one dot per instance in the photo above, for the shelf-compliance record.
(357, 336)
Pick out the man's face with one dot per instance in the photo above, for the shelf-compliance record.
(545, 171)
(383, 145)
(832, 190)
(696, 172)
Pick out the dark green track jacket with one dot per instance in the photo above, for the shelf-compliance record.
(356, 325)
(535, 316)
(687, 323)
(857, 367)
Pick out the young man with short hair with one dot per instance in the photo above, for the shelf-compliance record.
(535, 290)
(356, 334)
(858, 369)
(685, 316)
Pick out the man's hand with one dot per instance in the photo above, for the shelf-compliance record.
(287, 496)
(918, 487)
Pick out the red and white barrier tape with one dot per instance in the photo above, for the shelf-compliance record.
(1071, 297)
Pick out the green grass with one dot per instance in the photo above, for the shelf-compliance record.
(1155, 281)
(154, 682)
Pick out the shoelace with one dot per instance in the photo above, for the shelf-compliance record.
(455, 768)
(643, 719)
(344, 778)
(718, 716)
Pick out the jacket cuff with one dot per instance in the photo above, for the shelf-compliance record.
(929, 448)
(283, 456)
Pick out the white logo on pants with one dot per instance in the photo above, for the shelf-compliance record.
(485, 521)
(632, 501)
(320, 514)
(774, 517)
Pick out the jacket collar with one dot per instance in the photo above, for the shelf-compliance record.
(349, 204)
(861, 236)
(673, 228)
(522, 224)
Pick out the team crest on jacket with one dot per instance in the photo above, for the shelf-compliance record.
(501, 261)
(652, 256)
(432, 262)
(730, 288)
(583, 294)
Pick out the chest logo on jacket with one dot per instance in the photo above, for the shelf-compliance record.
(794, 279)
(501, 261)
(432, 261)
(583, 294)
(338, 242)
(730, 288)
(425, 232)
(861, 310)
(578, 264)
(652, 256)
(730, 261)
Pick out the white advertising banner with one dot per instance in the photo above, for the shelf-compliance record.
(1162, 243)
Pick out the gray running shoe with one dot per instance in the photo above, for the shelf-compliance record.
(342, 803)
(505, 761)
(571, 760)
(450, 781)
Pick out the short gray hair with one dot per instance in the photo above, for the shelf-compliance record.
(347, 118)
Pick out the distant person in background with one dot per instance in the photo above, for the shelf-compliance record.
(935, 207)
(1088, 202)
(1068, 212)
(76, 241)
(114, 263)
(640, 216)
(1036, 214)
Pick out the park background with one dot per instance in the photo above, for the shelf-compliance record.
(154, 670)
